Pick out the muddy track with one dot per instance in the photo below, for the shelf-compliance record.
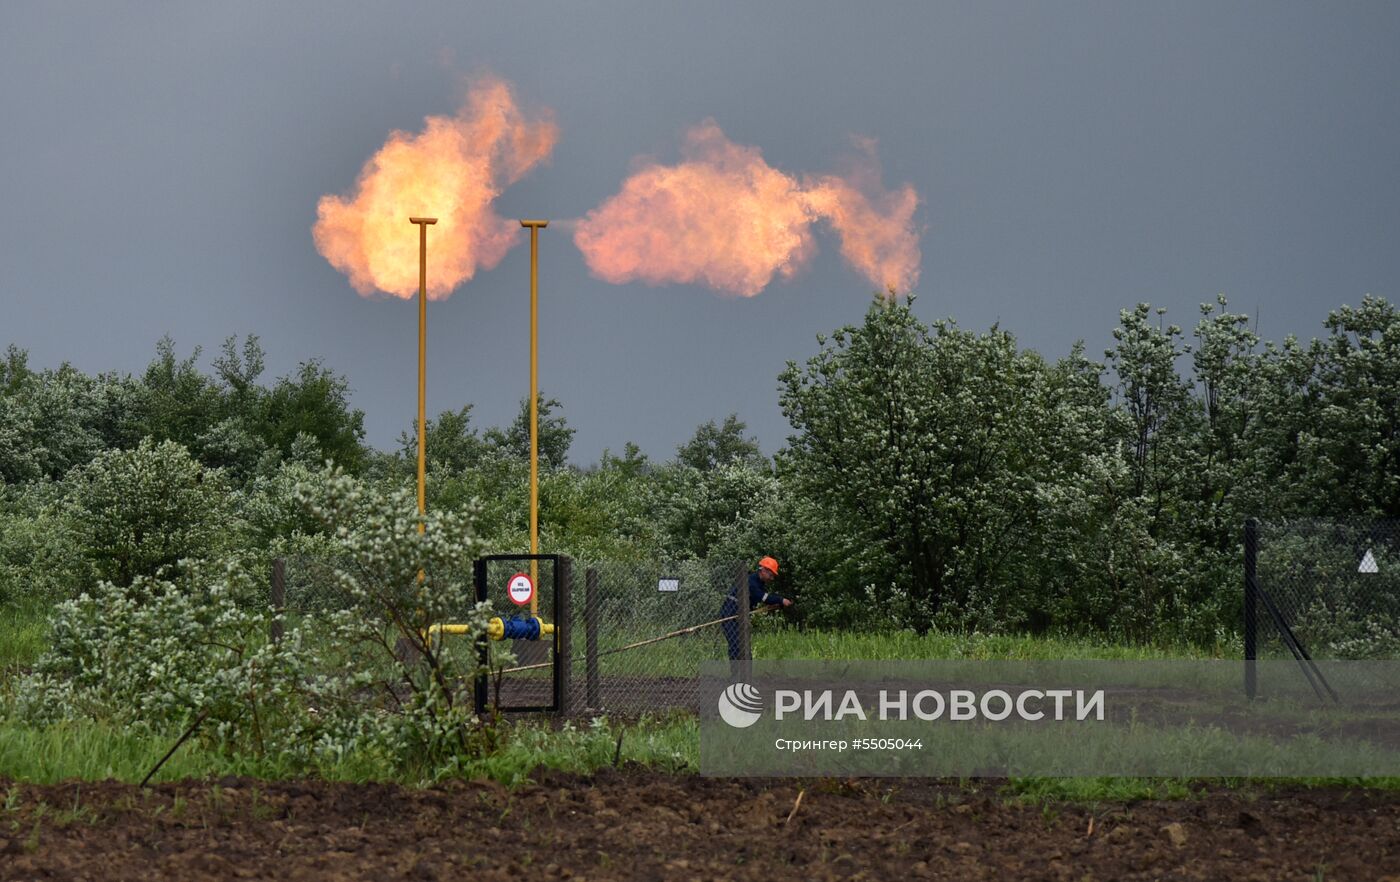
(647, 825)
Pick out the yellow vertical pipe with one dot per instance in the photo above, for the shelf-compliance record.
(422, 223)
(534, 226)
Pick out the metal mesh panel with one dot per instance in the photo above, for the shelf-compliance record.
(637, 632)
(311, 585)
(642, 630)
(1336, 585)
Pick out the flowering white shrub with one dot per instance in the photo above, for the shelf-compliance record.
(400, 582)
(140, 512)
(159, 652)
(40, 558)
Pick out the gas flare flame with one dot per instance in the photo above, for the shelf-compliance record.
(452, 170)
(725, 218)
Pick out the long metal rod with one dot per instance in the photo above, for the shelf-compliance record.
(534, 227)
(1300, 652)
(176, 746)
(640, 643)
(422, 223)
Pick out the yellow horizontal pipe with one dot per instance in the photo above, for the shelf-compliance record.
(495, 629)
(446, 628)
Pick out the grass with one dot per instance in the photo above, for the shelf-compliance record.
(93, 750)
(681, 656)
(24, 632)
(1091, 789)
(791, 643)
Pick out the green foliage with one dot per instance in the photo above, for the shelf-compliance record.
(713, 447)
(24, 635)
(271, 508)
(157, 653)
(717, 513)
(925, 454)
(53, 420)
(89, 750)
(315, 403)
(450, 443)
(41, 559)
(49, 421)
(935, 477)
(555, 436)
(178, 402)
(1351, 452)
(399, 581)
(140, 512)
(366, 679)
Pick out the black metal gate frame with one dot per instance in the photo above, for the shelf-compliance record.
(562, 668)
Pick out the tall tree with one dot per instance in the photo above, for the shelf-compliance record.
(179, 402)
(450, 442)
(555, 436)
(316, 402)
(1154, 403)
(713, 447)
(922, 452)
(1352, 449)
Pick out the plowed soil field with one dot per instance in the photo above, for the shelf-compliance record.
(638, 824)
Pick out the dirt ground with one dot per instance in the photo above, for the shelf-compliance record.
(639, 824)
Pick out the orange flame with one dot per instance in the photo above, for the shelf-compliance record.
(453, 170)
(725, 218)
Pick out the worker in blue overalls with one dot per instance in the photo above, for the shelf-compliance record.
(759, 595)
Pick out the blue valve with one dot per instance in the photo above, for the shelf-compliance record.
(518, 628)
(522, 629)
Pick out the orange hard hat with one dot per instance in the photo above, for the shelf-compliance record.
(769, 563)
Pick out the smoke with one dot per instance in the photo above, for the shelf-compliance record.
(452, 170)
(725, 218)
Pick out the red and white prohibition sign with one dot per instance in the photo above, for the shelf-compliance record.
(520, 589)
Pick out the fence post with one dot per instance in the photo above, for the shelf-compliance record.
(590, 636)
(1251, 592)
(483, 645)
(741, 595)
(563, 637)
(279, 598)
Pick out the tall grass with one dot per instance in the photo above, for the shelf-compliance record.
(24, 633)
(94, 751)
(906, 645)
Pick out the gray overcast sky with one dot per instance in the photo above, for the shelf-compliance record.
(160, 165)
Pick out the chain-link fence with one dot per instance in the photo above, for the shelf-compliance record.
(642, 631)
(1329, 588)
(309, 585)
(629, 638)
(635, 634)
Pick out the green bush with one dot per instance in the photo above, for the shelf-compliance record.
(140, 512)
(369, 680)
(41, 558)
(156, 653)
